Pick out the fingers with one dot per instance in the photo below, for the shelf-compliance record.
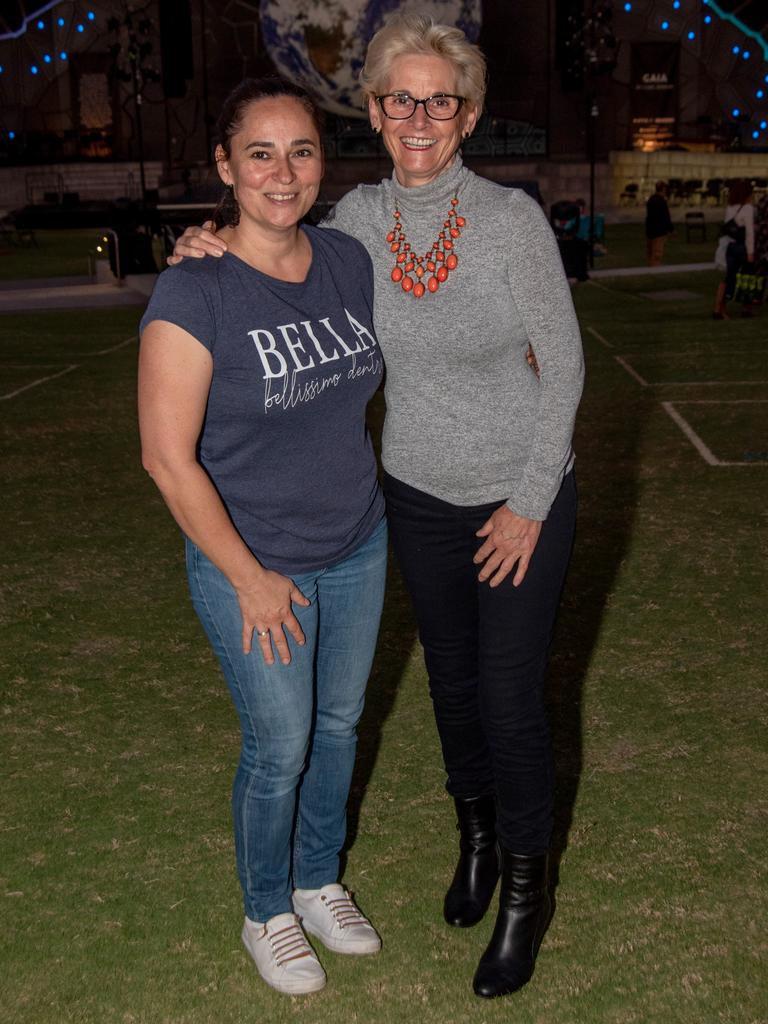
(264, 636)
(485, 529)
(298, 597)
(522, 569)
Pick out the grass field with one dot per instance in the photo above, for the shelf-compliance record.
(119, 898)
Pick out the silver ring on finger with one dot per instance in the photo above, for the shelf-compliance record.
(262, 632)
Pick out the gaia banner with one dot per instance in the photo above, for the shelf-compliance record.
(654, 91)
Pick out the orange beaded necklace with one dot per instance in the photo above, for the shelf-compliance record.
(438, 261)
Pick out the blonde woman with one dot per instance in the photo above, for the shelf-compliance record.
(478, 463)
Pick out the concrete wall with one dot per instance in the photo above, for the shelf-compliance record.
(22, 185)
(645, 169)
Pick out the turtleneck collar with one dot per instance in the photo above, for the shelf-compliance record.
(442, 189)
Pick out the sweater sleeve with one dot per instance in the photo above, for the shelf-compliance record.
(543, 300)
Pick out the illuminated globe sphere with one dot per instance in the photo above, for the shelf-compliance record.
(321, 44)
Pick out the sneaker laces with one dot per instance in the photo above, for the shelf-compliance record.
(344, 911)
(289, 943)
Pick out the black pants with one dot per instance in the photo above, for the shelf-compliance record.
(486, 651)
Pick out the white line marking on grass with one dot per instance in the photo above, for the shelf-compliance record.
(723, 401)
(690, 433)
(704, 383)
(632, 373)
(40, 380)
(600, 338)
(114, 348)
(705, 452)
(69, 369)
(615, 291)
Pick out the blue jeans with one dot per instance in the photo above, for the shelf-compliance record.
(298, 721)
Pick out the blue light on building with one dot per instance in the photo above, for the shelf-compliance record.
(736, 49)
(34, 69)
(764, 125)
(627, 7)
(81, 28)
(47, 58)
(759, 94)
(63, 55)
(691, 35)
(11, 135)
(60, 22)
(707, 19)
(755, 134)
(676, 5)
(664, 26)
(91, 16)
(735, 112)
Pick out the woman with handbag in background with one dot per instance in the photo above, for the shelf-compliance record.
(739, 228)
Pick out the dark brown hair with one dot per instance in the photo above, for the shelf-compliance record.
(250, 90)
(739, 191)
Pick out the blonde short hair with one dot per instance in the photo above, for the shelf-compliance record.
(417, 33)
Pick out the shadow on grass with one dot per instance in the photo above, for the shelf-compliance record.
(607, 443)
(397, 638)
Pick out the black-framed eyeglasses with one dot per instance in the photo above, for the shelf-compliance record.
(399, 105)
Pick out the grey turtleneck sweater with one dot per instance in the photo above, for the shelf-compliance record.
(467, 420)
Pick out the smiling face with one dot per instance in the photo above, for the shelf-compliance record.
(421, 148)
(275, 164)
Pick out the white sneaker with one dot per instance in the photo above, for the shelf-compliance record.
(330, 914)
(282, 955)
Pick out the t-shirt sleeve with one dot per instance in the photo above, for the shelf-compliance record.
(181, 299)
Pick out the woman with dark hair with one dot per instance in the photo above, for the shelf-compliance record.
(739, 229)
(255, 372)
(481, 497)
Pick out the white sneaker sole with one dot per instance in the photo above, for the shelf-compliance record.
(358, 947)
(287, 986)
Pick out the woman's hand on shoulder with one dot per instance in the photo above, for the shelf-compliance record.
(197, 242)
(266, 605)
(510, 540)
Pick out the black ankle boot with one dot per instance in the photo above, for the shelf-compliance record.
(525, 909)
(477, 872)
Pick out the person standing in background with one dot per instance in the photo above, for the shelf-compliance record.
(658, 224)
(739, 228)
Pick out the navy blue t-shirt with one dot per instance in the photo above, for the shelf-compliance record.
(294, 365)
